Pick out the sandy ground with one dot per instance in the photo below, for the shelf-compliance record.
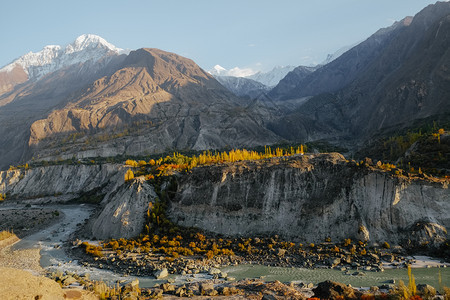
(19, 284)
(20, 271)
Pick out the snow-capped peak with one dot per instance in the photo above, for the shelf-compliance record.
(218, 70)
(86, 41)
(87, 47)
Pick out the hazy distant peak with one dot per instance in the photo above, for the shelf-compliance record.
(338, 53)
(270, 78)
(273, 77)
(218, 70)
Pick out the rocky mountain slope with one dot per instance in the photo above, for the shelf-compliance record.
(339, 72)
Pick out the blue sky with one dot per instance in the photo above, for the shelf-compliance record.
(246, 33)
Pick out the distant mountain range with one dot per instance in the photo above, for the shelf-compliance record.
(397, 76)
(91, 98)
(245, 83)
(108, 103)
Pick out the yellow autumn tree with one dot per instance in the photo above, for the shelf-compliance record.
(129, 175)
(130, 162)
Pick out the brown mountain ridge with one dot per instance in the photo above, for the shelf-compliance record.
(154, 102)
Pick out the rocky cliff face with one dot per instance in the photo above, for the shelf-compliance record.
(124, 213)
(60, 180)
(306, 198)
(310, 198)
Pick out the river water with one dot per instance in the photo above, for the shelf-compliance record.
(53, 258)
(421, 275)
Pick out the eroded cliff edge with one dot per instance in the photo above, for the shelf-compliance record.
(310, 198)
(121, 213)
(307, 198)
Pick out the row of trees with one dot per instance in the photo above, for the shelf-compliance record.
(179, 162)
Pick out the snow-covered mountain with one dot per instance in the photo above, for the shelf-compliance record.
(273, 77)
(87, 47)
(218, 70)
(243, 86)
(247, 83)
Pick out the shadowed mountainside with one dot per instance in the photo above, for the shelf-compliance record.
(408, 80)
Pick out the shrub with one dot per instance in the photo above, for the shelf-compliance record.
(92, 250)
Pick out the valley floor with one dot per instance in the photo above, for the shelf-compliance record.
(22, 270)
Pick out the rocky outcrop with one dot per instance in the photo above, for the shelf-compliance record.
(310, 198)
(124, 213)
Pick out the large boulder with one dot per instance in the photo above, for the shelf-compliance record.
(334, 290)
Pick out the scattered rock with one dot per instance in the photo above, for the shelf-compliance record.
(427, 291)
(388, 258)
(181, 291)
(207, 289)
(167, 287)
(68, 280)
(281, 252)
(213, 271)
(269, 297)
(161, 274)
(333, 262)
(157, 293)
